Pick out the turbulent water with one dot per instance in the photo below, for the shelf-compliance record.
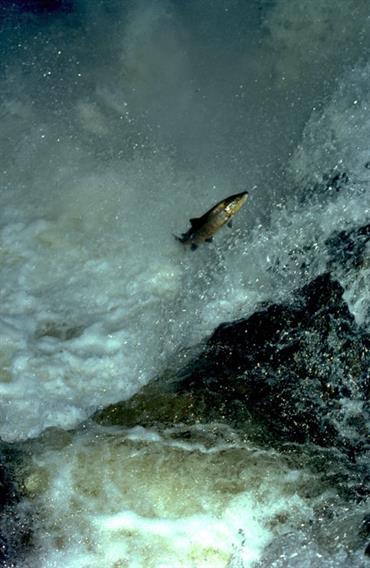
(119, 122)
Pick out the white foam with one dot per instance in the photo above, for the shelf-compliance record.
(108, 147)
(135, 499)
(96, 295)
(88, 318)
(335, 140)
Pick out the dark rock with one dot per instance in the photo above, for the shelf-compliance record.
(151, 406)
(294, 367)
(15, 518)
(290, 374)
(365, 526)
(347, 248)
(8, 492)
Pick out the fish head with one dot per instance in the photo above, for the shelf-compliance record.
(235, 202)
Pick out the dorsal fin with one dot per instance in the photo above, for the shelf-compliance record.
(196, 222)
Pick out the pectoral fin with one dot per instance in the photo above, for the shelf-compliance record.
(230, 224)
(209, 240)
(194, 246)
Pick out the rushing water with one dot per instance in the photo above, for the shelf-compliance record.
(119, 122)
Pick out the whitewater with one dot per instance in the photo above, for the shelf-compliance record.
(119, 122)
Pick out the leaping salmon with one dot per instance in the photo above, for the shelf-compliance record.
(203, 228)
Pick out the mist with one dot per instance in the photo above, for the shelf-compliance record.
(214, 93)
(119, 122)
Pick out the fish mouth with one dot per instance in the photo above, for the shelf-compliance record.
(243, 197)
(238, 197)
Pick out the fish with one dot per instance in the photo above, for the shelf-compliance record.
(203, 228)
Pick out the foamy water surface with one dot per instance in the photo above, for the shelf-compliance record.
(110, 142)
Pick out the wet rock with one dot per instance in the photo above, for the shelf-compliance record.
(365, 532)
(15, 518)
(347, 248)
(160, 405)
(367, 550)
(150, 407)
(295, 372)
(365, 526)
(296, 368)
